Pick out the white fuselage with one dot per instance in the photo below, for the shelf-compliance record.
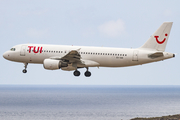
(105, 56)
(69, 58)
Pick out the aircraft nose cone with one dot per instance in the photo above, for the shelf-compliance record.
(5, 55)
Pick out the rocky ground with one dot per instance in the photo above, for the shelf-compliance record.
(170, 117)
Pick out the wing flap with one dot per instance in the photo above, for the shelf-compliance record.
(89, 63)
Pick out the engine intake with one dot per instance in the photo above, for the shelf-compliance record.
(52, 64)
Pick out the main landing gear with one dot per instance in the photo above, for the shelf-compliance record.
(87, 73)
(76, 73)
(25, 66)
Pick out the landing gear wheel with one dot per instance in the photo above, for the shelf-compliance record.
(76, 73)
(25, 66)
(87, 74)
(24, 71)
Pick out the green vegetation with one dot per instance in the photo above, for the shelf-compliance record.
(170, 117)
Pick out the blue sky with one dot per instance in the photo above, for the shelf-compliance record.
(108, 23)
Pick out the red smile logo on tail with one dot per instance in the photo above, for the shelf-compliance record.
(160, 42)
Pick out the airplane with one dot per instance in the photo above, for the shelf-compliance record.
(71, 58)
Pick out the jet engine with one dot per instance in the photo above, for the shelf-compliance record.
(52, 64)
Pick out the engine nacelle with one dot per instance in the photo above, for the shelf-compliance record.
(52, 64)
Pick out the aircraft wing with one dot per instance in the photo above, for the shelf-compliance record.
(71, 57)
(74, 57)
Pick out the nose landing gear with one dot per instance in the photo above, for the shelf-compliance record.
(25, 66)
(24, 71)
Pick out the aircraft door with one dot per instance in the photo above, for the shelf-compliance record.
(135, 55)
(23, 50)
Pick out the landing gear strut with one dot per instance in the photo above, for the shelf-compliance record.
(25, 66)
(87, 73)
(76, 73)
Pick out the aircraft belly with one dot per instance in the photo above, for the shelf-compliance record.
(110, 61)
(32, 58)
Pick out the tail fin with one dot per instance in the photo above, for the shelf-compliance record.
(159, 39)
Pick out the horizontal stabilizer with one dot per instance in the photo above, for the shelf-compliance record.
(156, 55)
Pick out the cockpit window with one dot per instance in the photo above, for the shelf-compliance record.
(13, 49)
